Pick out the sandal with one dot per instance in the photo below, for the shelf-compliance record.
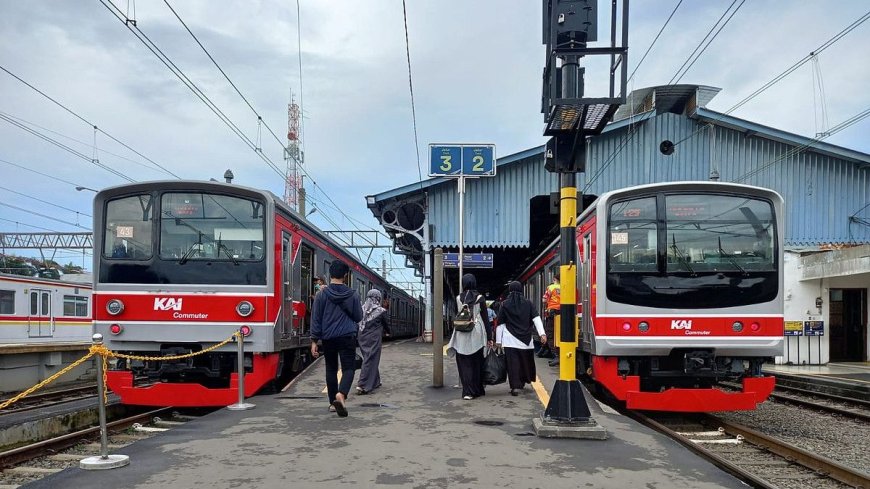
(340, 408)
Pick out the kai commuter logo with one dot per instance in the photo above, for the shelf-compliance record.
(679, 323)
(167, 304)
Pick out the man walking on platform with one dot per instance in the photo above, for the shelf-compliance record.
(334, 320)
(552, 303)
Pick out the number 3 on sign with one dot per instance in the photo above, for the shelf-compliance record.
(445, 163)
(478, 163)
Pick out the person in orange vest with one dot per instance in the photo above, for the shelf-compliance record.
(552, 303)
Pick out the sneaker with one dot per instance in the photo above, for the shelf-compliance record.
(361, 391)
(331, 408)
(467, 398)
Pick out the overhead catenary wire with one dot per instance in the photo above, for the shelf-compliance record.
(41, 173)
(43, 215)
(798, 149)
(66, 148)
(86, 121)
(45, 201)
(411, 89)
(830, 42)
(687, 65)
(655, 39)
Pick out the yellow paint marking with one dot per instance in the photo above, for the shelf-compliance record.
(541, 391)
(339, 379)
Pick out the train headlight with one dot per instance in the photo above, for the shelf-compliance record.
(643, 326)
(245, 308)
(114, 307)
(116, 329)
(737, 326)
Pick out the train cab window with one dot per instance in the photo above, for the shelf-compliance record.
(128, 228)
(75, 306)
(7, 302)
(632, 240)
(361, 288)
(201, 226)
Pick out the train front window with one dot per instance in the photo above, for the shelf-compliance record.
(711, 250)
(210, 227)
(718, 233)
(633, 235)
(128, 228)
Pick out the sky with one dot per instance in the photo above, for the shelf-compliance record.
(476, 71)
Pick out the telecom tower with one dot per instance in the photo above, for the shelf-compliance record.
(293, 157)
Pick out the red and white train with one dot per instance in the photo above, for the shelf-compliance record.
(680, 287)
(180, 265)
(43, 310)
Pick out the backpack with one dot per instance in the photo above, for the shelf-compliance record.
(464, 321)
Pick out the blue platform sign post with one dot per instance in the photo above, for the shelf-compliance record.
(461, 161)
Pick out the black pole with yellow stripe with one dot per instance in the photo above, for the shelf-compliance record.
(567, 402)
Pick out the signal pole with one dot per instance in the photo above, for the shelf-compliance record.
(572, 118)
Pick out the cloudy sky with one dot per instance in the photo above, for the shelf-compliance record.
(476, 73)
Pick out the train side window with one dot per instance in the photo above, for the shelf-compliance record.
(75, 306)
(7, 302)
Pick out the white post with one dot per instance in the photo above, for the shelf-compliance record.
(104, 460)
(461, 185)
(427, 280)
(241, 405)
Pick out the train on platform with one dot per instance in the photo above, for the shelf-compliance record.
(41, 310)
(181, 265)
(679, 288)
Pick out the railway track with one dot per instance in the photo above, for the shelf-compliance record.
(59, 396)
(831, 403)
(758, 459)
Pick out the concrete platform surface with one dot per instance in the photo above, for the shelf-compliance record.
(405, 434)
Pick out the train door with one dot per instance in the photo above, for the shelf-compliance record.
(585, 274)
(306, 284)
(287, 285)
(41, 318)
(848, 325)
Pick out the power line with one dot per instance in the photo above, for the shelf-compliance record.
(259, 117)
(66, 148)
(43, 215)
(40, 173)
(45, 201)
(677, 76)
(798, 149)
(18, 223)
(76, 115)
(411, 87)
(656, 39)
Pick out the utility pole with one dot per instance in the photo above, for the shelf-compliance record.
(572, 118)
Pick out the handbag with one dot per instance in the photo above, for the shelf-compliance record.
(495, 367)
(465, 320)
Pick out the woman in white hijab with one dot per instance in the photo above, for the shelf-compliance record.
(371, 329)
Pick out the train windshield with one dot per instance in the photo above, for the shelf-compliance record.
(199, 226)
(670, 250)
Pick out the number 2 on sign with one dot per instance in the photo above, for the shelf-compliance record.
(445, 163)
(478, 163)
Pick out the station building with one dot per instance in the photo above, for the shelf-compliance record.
(826, 190)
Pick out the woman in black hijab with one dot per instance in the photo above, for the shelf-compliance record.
(516, 318)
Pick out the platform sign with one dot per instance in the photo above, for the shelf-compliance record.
(469, 260)
(445, 161)
(794, 328)
(462, 160)
(814, 328)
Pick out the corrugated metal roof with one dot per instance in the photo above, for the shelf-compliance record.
(823, 186)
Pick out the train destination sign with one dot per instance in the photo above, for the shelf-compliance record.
(462, 160)
(469, 260)
(794, 328)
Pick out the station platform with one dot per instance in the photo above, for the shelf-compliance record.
(405, 434)
(848, 379)
(43, 346)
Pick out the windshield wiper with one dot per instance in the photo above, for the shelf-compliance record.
(193, 247)
(679, 254)
(223, 247)
(730, 257)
